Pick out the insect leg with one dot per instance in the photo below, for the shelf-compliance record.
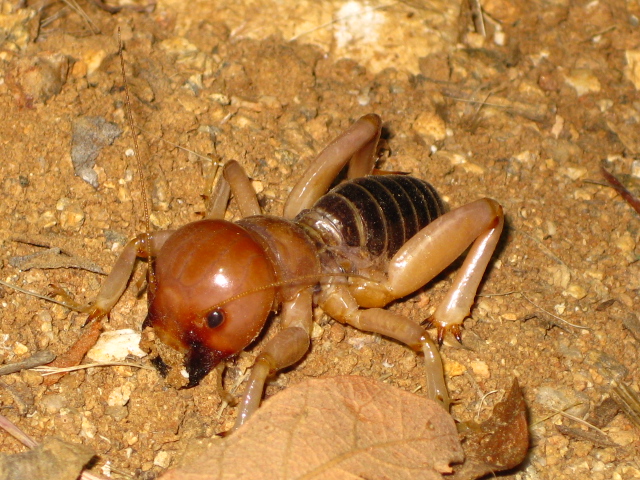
(116, 281)
(356, 146)
(286, 348)
(217, 195)
(338, 302)
(242, 190)
(433, 249)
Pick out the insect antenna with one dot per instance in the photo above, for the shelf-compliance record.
(283, 283)
(141, 178)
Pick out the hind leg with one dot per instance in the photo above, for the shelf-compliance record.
(356, 146)
(477, 224)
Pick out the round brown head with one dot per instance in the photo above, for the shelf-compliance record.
(210, 299)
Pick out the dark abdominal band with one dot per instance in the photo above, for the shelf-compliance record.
(376, 213)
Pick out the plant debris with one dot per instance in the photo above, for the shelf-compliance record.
(341, 427)
(498, 444)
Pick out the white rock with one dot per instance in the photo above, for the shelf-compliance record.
(116, 345)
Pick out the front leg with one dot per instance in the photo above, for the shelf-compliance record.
(286, 348)
(143, 246)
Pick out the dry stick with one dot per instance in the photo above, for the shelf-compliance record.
(76, 353)
(49, 370)
(136, 8)
(73, 5)
(35, 360)
(621, 189)
(478, 17)
(552, 315)
(628, 401)
(577, 419)
(13, 430)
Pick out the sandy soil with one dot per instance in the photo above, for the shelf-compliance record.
(525, 115)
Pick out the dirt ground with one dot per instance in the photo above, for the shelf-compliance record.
(525, 115)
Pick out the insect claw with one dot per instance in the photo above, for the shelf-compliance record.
(455, 330)
(427, 323)
(95, 313)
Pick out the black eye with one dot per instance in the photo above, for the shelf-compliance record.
(215, 318)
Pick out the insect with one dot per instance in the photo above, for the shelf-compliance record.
(370, 240)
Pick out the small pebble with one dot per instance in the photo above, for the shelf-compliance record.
(565, 399)
(575, 291)
(430, 127)
(119, 396)
(454, 369)
(53, 403)
(626, 243)
(20, 348)
(632, 70)
(480, 369)
(583, 80)
(162, 459)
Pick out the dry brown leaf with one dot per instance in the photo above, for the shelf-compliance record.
(338, 428)
(498, 444)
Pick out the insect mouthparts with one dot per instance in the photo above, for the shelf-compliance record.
(200, 361)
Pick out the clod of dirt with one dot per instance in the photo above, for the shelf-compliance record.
(53, 459)
(90, 134)
(341, 427)
(498, 444)
(37, 78)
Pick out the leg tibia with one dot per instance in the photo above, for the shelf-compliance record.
(116, 282)
(339, 304)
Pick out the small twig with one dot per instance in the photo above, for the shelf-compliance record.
(76, 353)
(628, 401)
(552, 315)
(157, 137)
(16, 432)
(600, 32)
(116, 9)
(39, 241)
(477, 16)
(593, 437)
(73, 5)
(621, 189)
(481, 404)
(542, 247)
(39, 358)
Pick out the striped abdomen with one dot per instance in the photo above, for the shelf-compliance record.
(377, 213)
